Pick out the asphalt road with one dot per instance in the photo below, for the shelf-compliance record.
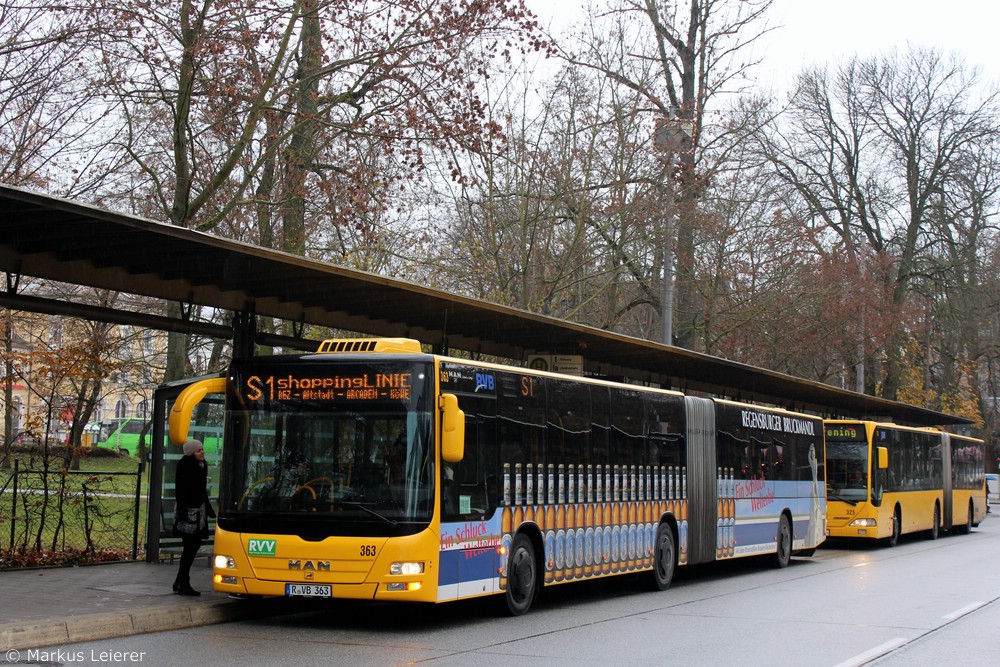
(921, 603)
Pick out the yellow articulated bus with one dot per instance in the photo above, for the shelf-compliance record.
(885, 480)
(372, 470)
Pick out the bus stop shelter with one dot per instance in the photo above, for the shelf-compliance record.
(55, 239)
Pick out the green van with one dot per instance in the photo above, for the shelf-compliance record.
(123, 435)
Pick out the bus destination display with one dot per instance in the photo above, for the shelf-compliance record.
(845, 432)
(355, 387)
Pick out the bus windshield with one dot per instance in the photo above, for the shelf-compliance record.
(847, 471)
(347, 446)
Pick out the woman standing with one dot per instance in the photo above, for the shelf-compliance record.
(192, 511)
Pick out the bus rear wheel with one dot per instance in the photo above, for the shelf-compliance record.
(664, 558)
(784, 540)
(522, 575)
(935, 530)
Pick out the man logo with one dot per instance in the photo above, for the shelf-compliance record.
(314, 565)
(262, 547)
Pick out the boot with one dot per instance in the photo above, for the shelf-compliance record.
(185, 589)
(183, 583)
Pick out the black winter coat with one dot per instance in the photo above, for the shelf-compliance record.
(191, 491)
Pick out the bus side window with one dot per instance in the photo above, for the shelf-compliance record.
(628, 435)
(520, 416)
(568, 425)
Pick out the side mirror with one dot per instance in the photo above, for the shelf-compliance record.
(452, 429)
(883, 458)
(180, 414)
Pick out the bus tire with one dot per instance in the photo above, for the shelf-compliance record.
(897, 528)
(522, 575)
(783, 554)
(935, 530)
(967, 527)
(664, 557)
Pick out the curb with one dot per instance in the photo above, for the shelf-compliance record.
(92, 627)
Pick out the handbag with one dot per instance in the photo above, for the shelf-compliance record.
(187, 521)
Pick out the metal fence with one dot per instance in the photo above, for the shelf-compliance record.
(87, 512)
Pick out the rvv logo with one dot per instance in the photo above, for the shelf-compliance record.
(262, 547)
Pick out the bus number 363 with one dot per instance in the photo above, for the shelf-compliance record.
(367, 551)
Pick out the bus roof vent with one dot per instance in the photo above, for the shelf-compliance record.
(344, 345)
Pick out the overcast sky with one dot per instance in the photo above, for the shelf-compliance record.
(811, 32)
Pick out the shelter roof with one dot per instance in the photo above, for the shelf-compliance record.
(52, 238)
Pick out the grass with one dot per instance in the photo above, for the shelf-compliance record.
(65, 513)
(110, 508)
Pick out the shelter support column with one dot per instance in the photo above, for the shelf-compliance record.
(244, 334)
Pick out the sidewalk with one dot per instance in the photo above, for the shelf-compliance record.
(46, 607)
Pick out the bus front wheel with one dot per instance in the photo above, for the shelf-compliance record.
(522, 575)
(896, 528)
(784, 540)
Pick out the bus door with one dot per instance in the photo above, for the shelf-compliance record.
(470, 523)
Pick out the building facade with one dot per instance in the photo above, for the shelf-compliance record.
(54, 369)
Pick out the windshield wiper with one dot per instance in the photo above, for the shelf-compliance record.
(834, 496)
(364, 507)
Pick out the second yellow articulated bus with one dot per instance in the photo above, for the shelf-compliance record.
(886, 480)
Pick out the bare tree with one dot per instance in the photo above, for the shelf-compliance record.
(558, 220)
(874, 152)
(46, 105)
(959, 290)
(266, 114)
(695, 48)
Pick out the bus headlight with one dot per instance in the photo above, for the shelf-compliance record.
(225, 563)
(406, 568)
(864, 523)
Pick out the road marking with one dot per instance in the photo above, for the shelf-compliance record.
(876, 652)
(893, 644)
(963, 611)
